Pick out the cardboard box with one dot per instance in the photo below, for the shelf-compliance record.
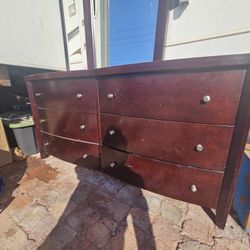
(5, 153)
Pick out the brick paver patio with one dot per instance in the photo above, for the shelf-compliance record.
(51, 204)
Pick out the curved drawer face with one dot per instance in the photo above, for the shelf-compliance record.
(73, 125)
(66, 94)
(199, 145)
(196, 186)
(82, 154)
(211, 97)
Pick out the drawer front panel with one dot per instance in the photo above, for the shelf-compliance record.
(175, 97)
(204, 146)
(82, 154)
(75, 125)
(78, 95)
(188, 184)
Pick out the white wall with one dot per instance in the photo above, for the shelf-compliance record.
(207, 28)
(31, 34)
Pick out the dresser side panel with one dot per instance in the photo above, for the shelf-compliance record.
(235, 155)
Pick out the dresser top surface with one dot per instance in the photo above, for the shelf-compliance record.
(227, 62)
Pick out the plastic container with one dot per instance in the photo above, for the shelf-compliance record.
(242, 193)
(23, 128)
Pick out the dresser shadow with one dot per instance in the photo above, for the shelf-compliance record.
(210, 214)
(81, 226)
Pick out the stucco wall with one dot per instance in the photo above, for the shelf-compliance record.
(207, 28)
(31, 34)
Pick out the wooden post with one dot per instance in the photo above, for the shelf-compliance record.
(88, 34)
(161, 29)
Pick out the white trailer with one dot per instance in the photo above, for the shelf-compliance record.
(35, 33)
(199, 28)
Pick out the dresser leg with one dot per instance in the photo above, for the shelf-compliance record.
(43, 154)
(221, 218)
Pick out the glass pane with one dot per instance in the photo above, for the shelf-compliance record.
(132, 26)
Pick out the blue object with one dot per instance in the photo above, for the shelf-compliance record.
(1, 185)
(242, 193)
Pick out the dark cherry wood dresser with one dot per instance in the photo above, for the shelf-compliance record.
(177, 128)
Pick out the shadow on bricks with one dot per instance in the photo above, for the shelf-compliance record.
(103, 212)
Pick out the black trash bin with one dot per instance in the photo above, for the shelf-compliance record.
(23, 128)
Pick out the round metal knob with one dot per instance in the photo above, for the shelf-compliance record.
(112, 165)
(193, 188)
(79, 96)
(199, 148)
(206, 99)
(111, 96)
(42, 120)
(38, 94)
(112, 132)
(84, 156)
(46, 144)
(82, 127)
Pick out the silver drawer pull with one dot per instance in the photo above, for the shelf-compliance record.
(112, 132)
(111, 96)
(42, 120)
(112, 165)
(46, 144)
(84, 156)
(193, 188)
(38, 94)
(82, 127)
(206, 99)
(79, 96)
(199, 148)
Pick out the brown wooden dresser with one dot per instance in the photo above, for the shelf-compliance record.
(177, 128)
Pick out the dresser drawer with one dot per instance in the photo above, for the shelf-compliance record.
(176, 97)
(82, 154)
(78, 95)
(75, 125)
(197, 186)
(204, 146)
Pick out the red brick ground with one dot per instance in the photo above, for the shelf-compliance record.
(52, 204)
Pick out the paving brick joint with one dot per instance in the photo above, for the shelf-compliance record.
(52, 204)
